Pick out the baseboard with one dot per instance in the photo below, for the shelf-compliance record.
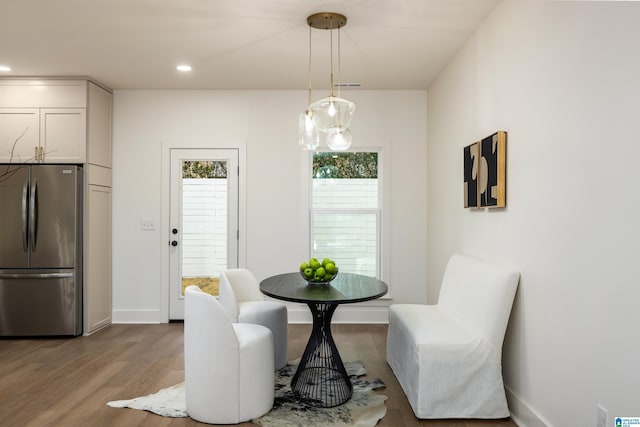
(522, 413)
(344, 314)
(96, 328)
(297, 314)
(136, 316)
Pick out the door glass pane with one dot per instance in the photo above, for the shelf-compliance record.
(204, 223)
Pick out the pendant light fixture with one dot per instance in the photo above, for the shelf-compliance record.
(327, 119)
(309, 139)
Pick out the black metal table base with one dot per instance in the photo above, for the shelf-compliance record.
(321, 379)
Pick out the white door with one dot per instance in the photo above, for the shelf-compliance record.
(203, 221)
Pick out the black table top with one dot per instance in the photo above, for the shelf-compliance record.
(345, 288)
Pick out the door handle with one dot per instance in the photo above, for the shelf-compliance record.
(33, 215)
(35, 275)
(25, 196)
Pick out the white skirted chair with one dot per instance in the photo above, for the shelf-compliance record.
(227, 367)
(240, 295)
(448, 357)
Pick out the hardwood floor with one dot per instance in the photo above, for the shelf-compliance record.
(67, 382)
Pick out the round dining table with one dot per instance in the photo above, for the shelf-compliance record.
(321, 378)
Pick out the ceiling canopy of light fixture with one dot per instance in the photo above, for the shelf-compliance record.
(327, 119)
(327, 20)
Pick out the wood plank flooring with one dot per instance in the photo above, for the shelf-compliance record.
(67, 382)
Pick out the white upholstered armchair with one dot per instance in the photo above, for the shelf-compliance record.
(241, 297)
(448, 357)
(228, 370)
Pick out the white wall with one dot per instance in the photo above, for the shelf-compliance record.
(277, 190)
(562, 78)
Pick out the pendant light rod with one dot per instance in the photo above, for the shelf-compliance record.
(327, 119)
(309, 72)
(331, 58)
(339, 66)
(329, 21)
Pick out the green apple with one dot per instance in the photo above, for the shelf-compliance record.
(331, 268)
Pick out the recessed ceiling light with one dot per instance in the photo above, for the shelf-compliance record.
(4, 68)
(184, 68)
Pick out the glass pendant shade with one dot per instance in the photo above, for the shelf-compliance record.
(339, 141)
(309, 138)
(332, 114)
(327, 120)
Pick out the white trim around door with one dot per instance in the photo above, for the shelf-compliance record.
(165, 225)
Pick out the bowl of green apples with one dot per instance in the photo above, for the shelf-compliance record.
(319, 272)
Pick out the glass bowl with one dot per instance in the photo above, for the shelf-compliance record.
(318, 282)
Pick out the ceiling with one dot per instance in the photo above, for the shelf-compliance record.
(234, 44)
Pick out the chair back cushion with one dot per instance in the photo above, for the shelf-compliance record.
(227, 297)
(479, 295)
(206, 320)
(244, 284)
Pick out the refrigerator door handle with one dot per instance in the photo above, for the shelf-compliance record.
(35, 275)
(25, 192)
(33, 215)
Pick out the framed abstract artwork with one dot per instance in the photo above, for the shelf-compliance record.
(485, 167)
(471, 164)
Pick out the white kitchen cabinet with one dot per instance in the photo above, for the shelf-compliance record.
(43, 135)
(67, 121)
(57, 125)
(97, 225)
(97, 250)
(63, 135)
(99, 107)
(19, 134)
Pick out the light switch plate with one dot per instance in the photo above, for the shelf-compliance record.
(147, 224)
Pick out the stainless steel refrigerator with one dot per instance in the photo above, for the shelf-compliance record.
(40, 250)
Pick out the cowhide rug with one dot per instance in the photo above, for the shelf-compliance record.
(364, 409)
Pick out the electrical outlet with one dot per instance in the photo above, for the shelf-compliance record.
(147, 224)
(602, 416)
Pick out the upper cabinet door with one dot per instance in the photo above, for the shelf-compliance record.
(100, 104)
(19, 134)
(63, 135)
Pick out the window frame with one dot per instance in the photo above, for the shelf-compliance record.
(379, 211)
